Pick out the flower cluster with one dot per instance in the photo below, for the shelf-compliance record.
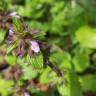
(24, 39)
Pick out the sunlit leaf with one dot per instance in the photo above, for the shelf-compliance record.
(86, 36)
(81, 60)
(63, 90)
(36, 61)
(71, 87)
(5, 87)
(66, 63)
(45, 76)
(29, 73)
(10, 59)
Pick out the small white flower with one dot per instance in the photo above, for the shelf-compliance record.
(11, 32)
(14, 14)
(35, 47)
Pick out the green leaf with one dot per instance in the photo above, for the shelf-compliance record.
(11, 47)
(88, 82)
(81, 60)
(29, 73)
(71, 87)
(39, 27)
(57, 57)
(86, 36)
(18, 26)
(36, 61)
(5, 87)
(11, 59)
(63, 90)
(45, 76)
(66, 63)
(2, 35)
(75, 88)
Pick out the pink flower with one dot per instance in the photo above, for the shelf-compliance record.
(35, 47)
(26, 94)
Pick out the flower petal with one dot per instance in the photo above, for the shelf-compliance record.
(35, 46)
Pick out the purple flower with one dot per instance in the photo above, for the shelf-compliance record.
(10, 37)
(26, 94)
(35, 31)
(21, 49)
(35, 46)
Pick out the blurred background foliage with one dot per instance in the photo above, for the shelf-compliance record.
(70, 27)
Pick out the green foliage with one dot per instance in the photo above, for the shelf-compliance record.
(29, 73)
(86, 36)
(11, 59)
(45, 76)
(69, 26)
(2, 35)
(5, 86)
(81, 60)
(17, 25)
(36, 61)
(87, 82)
(71, 89)
(75, 88)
